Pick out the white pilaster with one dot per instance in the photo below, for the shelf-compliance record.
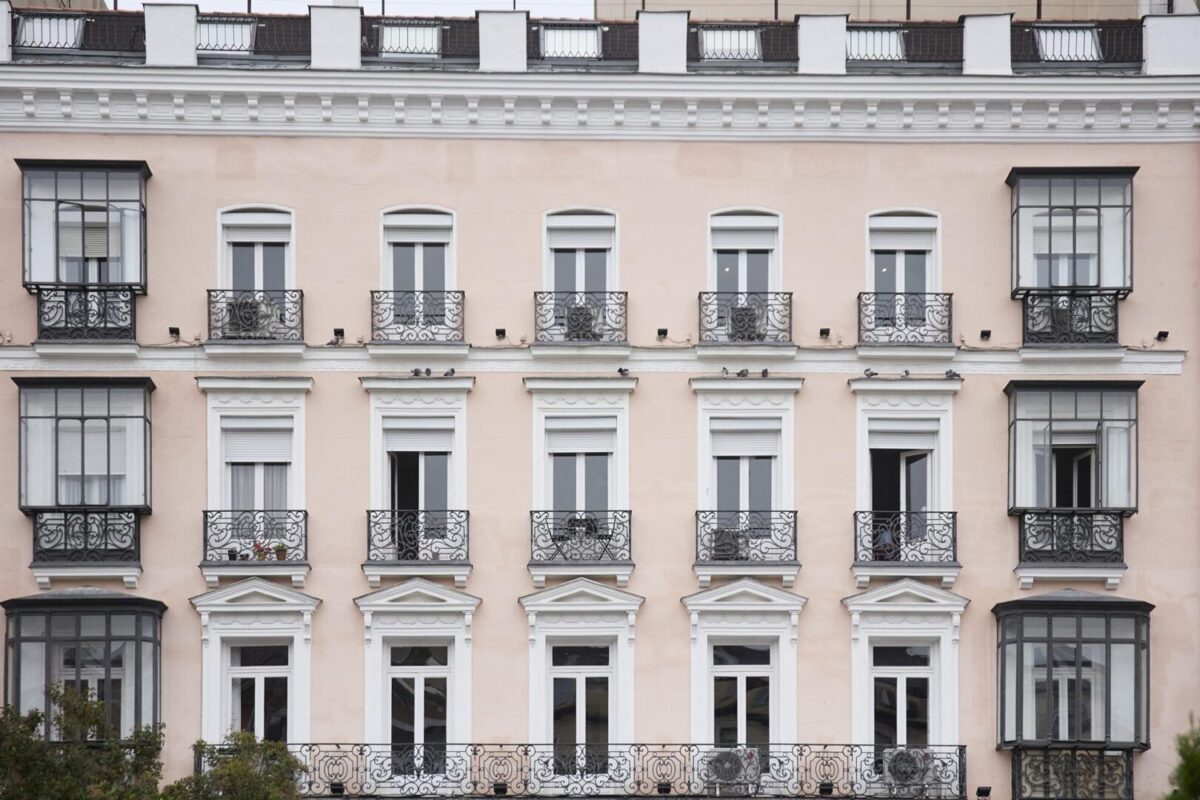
(822, 43)
(336, 36)
(1171, 45)
(662, 41)
(502, 40)
(6, 31)
(987, 44)
(170, 35)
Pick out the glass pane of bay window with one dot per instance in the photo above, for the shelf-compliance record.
(1124, 691)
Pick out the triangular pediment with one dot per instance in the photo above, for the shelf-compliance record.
(417, 595)
(255, 594)
(582, 594)
(745, 594)
(906, 595)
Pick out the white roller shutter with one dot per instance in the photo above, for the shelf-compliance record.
(745, 437)
(581, 231)
(96, 456)
(418, 434)
(257, 440)
(903, 233)
(745, 232)
(257, 226)
(418, 227)
(581, 435)
(902, 434)
(99, 240)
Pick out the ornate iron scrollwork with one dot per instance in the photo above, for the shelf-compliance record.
(1072, 773)
(256, 315)
(416, 317)
(259, 535)
(580, 317)
(758, 536)
(405, 536)
(575, 536)
(904, 318)
(86, 536)
(1076, 317)
(746, 317)
(86, 312)
(910, 537)
(1076, 536)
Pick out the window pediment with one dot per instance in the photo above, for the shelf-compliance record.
(907, 596)
(745, 594)
(255, 595)
(581, 595)
(417, 595)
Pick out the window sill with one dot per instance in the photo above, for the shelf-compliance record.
(385, 349)
(907, 353)
(620, 570)
(254, 348)
(128, 573)
(377, 571)
(786, 571)
(1110, 574)
(51, 349)
(213, 571)
(748, 350)
(580, 350)
(947, 572)
(1082, 353)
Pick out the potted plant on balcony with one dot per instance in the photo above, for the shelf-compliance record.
(280, 552)
(260, 551)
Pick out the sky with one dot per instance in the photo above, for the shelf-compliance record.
(416, 8)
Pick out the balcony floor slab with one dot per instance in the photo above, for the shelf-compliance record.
(617, 569)
(376, 571)
(947, 573)
(1109, 574)
(785, 571)
(213, 571)
(128, 573)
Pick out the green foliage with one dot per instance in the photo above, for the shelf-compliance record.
(1186, 777)
(89, 760)
(241, 768)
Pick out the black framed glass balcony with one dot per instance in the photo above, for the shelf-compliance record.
(580, 537)
(1072, 536)
(1072, 772)
(243, 315)
(249, 537)
(411, 536)
(809, 771)
(1069, 317)
(904, 318)
(580, 317)
(905, 537)
(86, 312)
(724, 537)
(417, 317)
(94, 537)
(745, 317)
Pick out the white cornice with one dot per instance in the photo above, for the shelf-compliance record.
(905, 385)
(254, 384)
(417, 385)
(589, 385)
(744, 106)
(747, 385)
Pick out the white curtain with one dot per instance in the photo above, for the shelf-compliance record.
(1031, 468)
(275, 484)
(1116, 461)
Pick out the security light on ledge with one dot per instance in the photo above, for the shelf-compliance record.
(173, 332)
(824, 332)
(662, 334)
(501, 333)
(983, 792)
(985, 334)
(1162, 336)
(825, 789)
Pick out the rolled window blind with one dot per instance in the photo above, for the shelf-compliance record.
(580, 231)
(98, 240)
(902, 434)
(257, 439)
(745, 437)
(92, 447)
(419, 435)
(418, 227)
(581, 435)
(745, 232)
(912, 233)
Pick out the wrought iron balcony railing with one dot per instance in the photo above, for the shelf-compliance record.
(626, 770)
(904, 43)
(1072, 536)
(573, 537)
(580, 317)
(417, 317)
(905, 537)
(86, 312)
(417, 536)
(96, 31)
(1072, 772)
(1070, 317)
(255, 536)
(89, 537)
(257, 315)
(741, 44)
(423, 40)
(746, 317)
(904, 318)
(752, 536)
(582, 42)
(1106, 44)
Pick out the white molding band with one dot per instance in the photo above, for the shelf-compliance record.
(518, 105)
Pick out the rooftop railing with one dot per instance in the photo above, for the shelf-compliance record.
(768, 43)
(907, 43)
(239, 34)
(1086, 44)
(575, 42)
(422, 40)
(97, 31)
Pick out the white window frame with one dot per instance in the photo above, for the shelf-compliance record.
(906, 612)
(744, 483)
(762, 219)
(580, 481)
(417, 611)
(419, 675)
(742, 672)
(254, 611)
(582, 611)
(579, 675)
(902, 674)
(745, 610)
(258, 674)
(906, 219)
(247, 398)
(255, 225)
(395, 220)
(585, 217)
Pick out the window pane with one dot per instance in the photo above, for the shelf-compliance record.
(1124, 690)
(564, 466)
(758, 710)
(916, 482)
(404, 260)
(900, 656)
(914, 272)
(886, 714)
(243, 705)
(241, 487)
(742, 654)
(435, 710)
(243, 267)
(33, 677)
(259, 656)
(885, 271)
(758, 270)
(406, 479)
(1034, 725)
(1092, 701)
(149, 711)
(579, 656)
(729, 492)
(760, 483)
(725, 712)
(92, 625)
(420, 656)
(433, 268)
(564, 711)
(404, 710)
(596, 710)
(595, 481)
(916, 711)
(595, 270)
(272, 267)
(1011, 700)
(727, 271)
(275, 486)
(436, 481)
(564, 271)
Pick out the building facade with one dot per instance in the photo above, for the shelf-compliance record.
(500, 407)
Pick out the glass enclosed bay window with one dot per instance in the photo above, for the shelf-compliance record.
(105, 644)
(84, 223)
(1073, 445)
(1074, 669)
(1072, 230)
(85, 444)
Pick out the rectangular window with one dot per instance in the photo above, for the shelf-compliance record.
(1072, 232)
(259, 677)
(901, 677)
(741, 684)
(1073, 447)
(84, 224)
(418, 677)
(581, 707)
(85, 444)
